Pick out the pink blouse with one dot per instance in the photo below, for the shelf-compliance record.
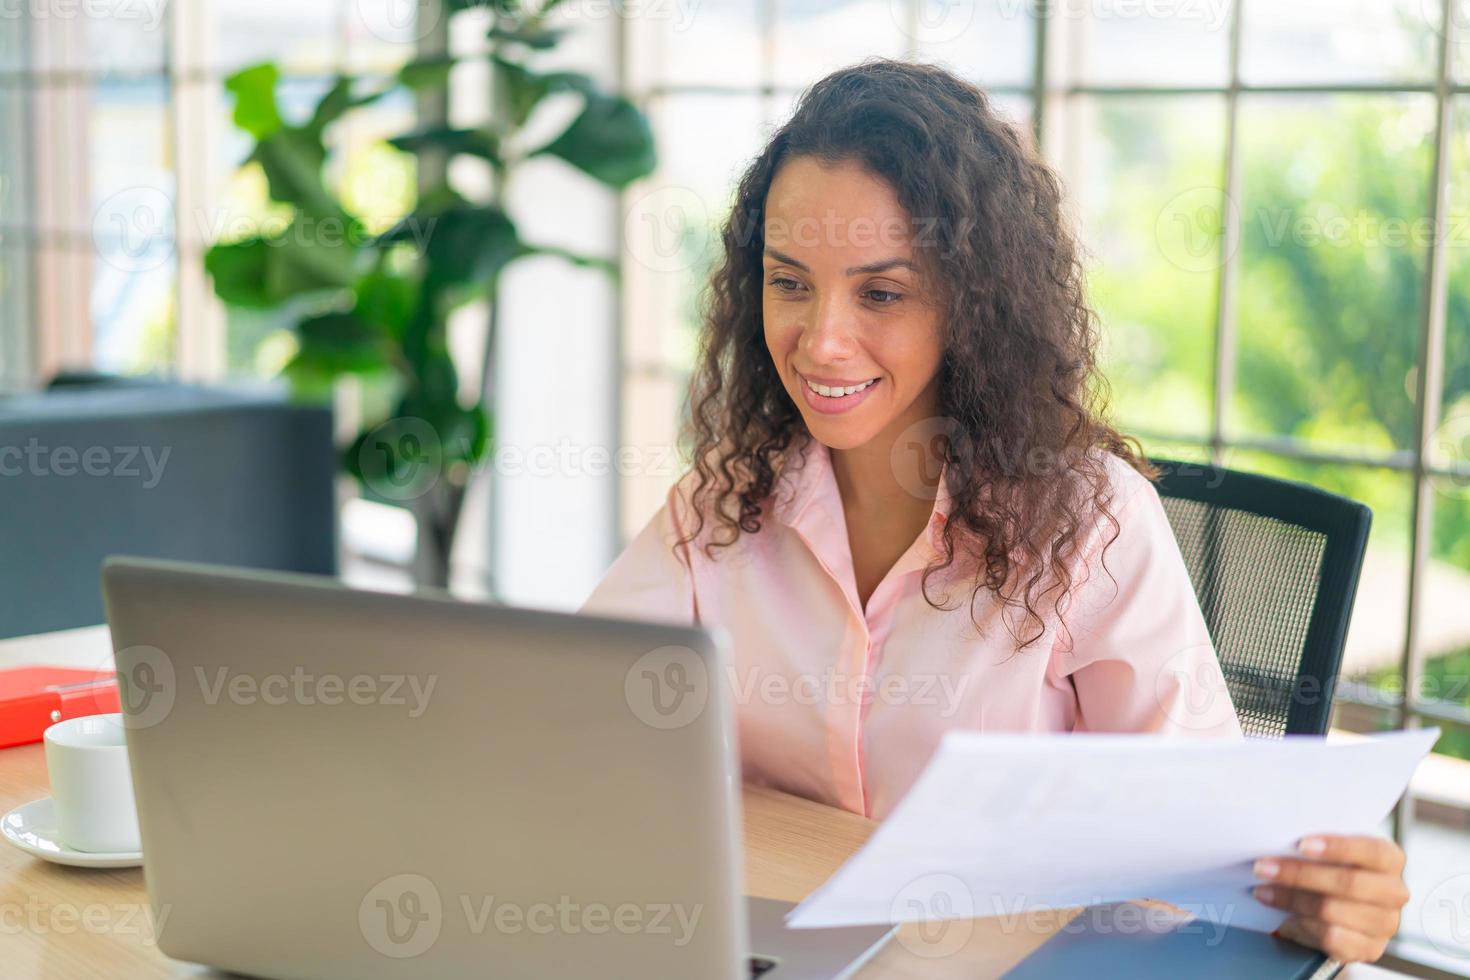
(845, 705)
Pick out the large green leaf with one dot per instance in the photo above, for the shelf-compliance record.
(469, 244)
(266, 272)
(610, 141)
(254, 89)
(524, 88)
(426, 73)
(331, 106)
(538, 37)
(475, 142)
(340, 343)
(292, 160)
(239, 272)
(398, 459)
(386, 300)
(301, 263)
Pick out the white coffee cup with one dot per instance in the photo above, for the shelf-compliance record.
(91, 787)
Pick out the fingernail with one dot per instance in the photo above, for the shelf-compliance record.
(1266, 868)
(1265, 893)
(1313, 845)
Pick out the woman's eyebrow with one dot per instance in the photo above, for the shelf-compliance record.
(785, 259)
(884, 266)
(853, 270)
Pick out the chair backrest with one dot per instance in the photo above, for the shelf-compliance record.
(234, 476)
(1275, 567)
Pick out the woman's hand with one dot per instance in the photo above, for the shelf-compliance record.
(1344, 894)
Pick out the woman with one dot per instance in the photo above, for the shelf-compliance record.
(907, 508)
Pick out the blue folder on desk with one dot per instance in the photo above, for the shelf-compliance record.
(1105, 944)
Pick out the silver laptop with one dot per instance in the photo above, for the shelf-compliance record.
(334, 783)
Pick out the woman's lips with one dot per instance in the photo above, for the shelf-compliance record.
(834, 406)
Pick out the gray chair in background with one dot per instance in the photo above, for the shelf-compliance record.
(1275, 566)
(234, 476)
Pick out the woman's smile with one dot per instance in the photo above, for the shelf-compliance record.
(833, 396)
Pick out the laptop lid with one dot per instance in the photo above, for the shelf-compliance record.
(342, 784)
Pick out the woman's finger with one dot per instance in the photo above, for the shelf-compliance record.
(1338, 942)
(1369, 919)
(1374, 887)
(1363, 850)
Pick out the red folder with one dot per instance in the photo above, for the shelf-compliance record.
(33, 699)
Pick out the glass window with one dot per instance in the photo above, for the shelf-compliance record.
(1438, 845)
(697, 44)
(815, 37)
(1444, 631)
(1174, 44)
(298, 37)
(1147, 179)
(1346, 41)
(1332, 268)
(15, 309)
(1454, 232)
(15, 194)
(98, 39)
(986, 41)
(671, 229)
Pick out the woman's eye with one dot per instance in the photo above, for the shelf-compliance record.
(785, 283)
(884, 297)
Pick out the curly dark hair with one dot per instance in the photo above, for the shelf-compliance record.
(1019, 392)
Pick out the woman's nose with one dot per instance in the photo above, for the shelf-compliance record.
(827, 337)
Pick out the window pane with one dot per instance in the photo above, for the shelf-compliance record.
(814, 37)
(98, 38)
(131, 158)
(653, 410)
(1451, 447)
(1152, 43)
(131, 37)
(1460, 53)
(1016, 108)
(987, 41)
(1331, 268)
(380, 34)
(296, 36)
(1438, 844)
(16, 208)
(1375, 642)
(14, 49)
(16, 317)
(1339, 41)
(1148, 186)
(1444, 629)
(670, 234)
(697, 44)
(132, 227)
(134, 327)
(1182, 451)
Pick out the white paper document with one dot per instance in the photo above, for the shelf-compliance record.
(1005, 824)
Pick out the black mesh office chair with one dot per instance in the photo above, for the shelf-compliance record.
(1275, 567)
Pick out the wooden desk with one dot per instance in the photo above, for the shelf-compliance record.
(63, 923)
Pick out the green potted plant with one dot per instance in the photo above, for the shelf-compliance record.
(377, 305)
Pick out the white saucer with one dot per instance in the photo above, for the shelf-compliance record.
(32, 828)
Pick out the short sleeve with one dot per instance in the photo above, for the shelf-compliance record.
(651, 579)
(1140, 657)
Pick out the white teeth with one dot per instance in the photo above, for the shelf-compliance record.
(827, 392)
